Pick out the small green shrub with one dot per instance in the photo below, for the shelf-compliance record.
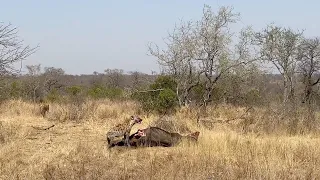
(146, 100)
(100, 92)
(74, 90)
(15, 90)
(166, 101)
(76, 95)
(197, 92)
(162, 100)
(53, 96)
(114, 93)
(97, 92)
(164, 82)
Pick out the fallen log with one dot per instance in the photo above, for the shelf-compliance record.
(43, 128)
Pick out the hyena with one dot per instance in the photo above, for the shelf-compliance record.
(122, 131)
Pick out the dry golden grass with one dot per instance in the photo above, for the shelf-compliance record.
(76, 149)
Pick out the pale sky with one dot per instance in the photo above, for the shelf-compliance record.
(86, 36)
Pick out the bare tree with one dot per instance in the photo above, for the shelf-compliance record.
(97, 78)
(11, 50)
(309, 65)
(52, 78)
(136, 79)
(216, 53)
(179, 60)
(34, 82)
(41, 83)
(34, 70)
(115, 77)
(200, 49)
(279, 46)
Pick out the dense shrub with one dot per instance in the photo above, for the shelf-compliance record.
(15, 90)
(197, 93)
(53, 96)
(161, 98)
(166, 100)
(76, 95)
(100, 92)
(146, 100)
(97, 92)
(74, 90)
(114, 93)
(164, 82)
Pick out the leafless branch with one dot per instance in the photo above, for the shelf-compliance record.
(12, 50)
(152, 90)
(279, 46)
(43, 128)
(309, 64)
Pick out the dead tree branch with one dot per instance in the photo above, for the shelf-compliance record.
(12, 50)
(152, 90)
(43, 128)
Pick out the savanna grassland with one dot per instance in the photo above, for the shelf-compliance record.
(76, 149)
(253, 94)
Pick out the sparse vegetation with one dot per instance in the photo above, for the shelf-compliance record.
(71, 151)
(253, 125)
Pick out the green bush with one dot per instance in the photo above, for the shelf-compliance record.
(114, 93)
(53, 96)
(166, 101)
(15, 90)
(197, 92)
(4, 91)
(74, 90)
(100, 92)
(162, 100)
(164, 82)
(146, 100)
(97, 92)
(76, 95)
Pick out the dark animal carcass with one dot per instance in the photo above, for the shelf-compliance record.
(154, 136)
